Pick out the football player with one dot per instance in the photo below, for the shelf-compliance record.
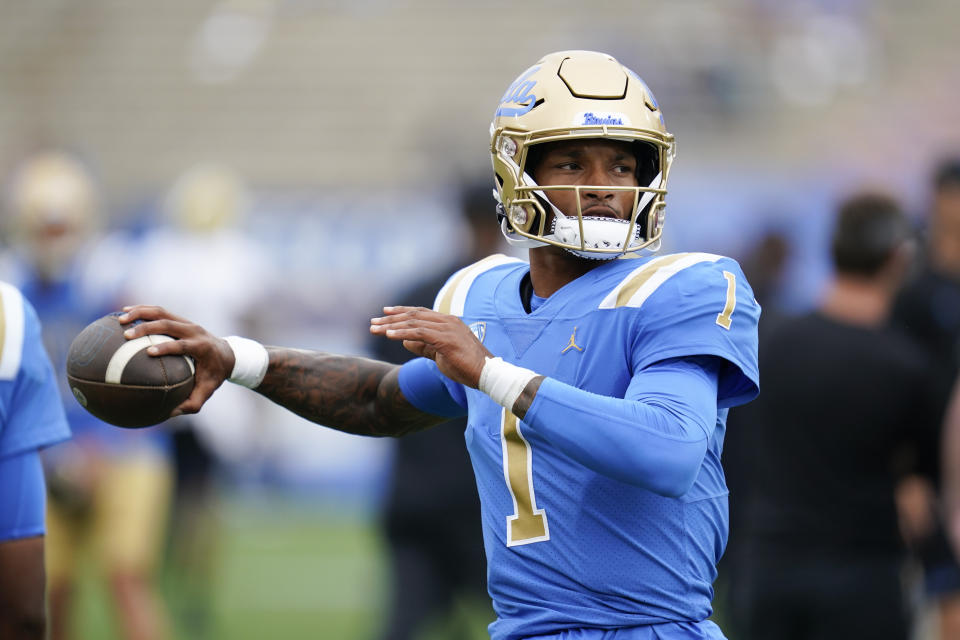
(596, 388)
(31, 418)
(108, 488)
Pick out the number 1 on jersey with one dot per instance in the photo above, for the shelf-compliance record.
(527, 524)
(723, 318)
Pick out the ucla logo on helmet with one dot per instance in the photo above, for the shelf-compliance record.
(646, 88)
(519, 94)
(652, 98)
(479, 329)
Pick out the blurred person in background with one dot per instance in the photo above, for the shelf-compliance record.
(199, 259)
(603, 503)
(108, 488)
(845, 414)
(432, 519)
(765, 265)
(31, 418)
(928, 309)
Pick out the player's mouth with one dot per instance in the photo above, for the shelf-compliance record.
(600, 211)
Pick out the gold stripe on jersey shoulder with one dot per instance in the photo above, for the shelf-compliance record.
(465, 277)
(642, 277)
(634, 290)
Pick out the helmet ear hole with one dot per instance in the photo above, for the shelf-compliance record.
(534, 156)
(648, 167)
(648, 162)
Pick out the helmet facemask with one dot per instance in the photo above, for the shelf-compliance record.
(534, 220)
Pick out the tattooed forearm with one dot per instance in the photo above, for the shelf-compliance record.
(349, 394)
(525, 399)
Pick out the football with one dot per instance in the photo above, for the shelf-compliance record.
(114, 379)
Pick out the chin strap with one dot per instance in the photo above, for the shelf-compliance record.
(598, 232)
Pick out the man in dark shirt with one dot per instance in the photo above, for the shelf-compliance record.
(928, 309)
(842, 416)
(928, 306)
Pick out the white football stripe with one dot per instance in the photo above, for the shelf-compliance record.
(125, 353)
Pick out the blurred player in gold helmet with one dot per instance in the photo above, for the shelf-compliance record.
(108, 488)
(53, 207)
(31, 418)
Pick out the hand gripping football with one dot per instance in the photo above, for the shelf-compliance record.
(114, 379)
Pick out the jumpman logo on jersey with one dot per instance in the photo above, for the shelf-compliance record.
(573, 342)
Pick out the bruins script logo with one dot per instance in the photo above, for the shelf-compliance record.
(591, 119)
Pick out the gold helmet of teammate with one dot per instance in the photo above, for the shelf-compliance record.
(207, 198)
(53, 207)
(565, 96)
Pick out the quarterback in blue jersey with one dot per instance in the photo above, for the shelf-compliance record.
(31, 418)
(596, 378)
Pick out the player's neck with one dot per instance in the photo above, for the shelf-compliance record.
(857, 301)
(552, 267)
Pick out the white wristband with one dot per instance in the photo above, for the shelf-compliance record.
(504, 382)
(251, 360)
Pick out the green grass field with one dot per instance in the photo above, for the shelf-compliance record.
(285, 571)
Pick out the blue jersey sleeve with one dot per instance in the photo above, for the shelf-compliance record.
(427, 389)
(22, 500)
(33, 415)
(706, 310)
(655, 437)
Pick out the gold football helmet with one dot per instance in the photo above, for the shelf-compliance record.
(207, 198)
(53, 207)
(565, 96)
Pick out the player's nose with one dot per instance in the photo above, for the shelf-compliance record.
(596, 179)
(596, 195)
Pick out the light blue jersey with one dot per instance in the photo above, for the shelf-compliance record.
(568, 546)
(31, 415)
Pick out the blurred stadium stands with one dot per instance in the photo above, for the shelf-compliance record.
(324, 93)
